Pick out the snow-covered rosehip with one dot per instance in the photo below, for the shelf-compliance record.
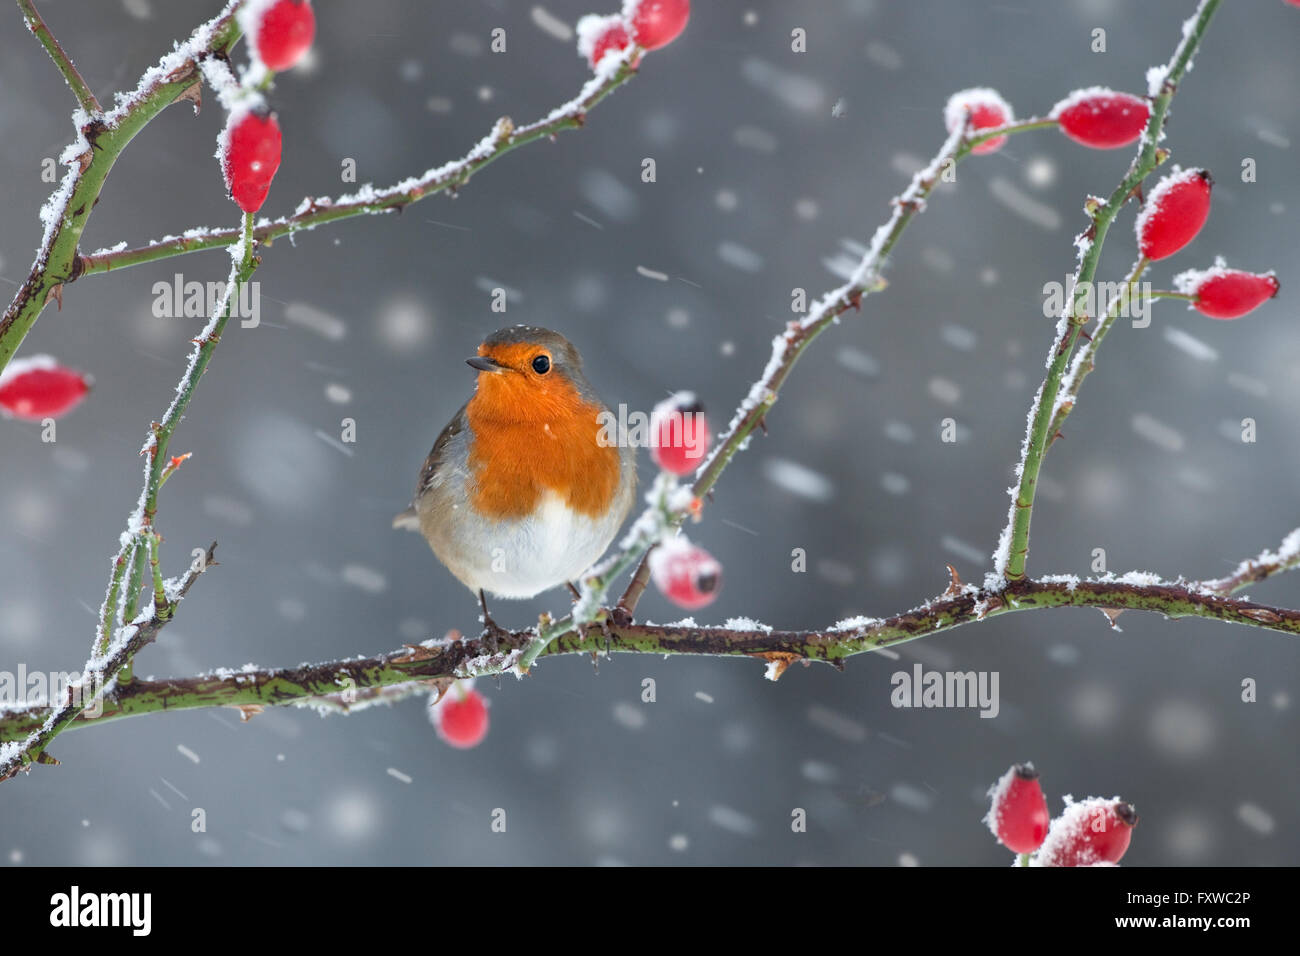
(679, 434)
(1102, 118)
(1223, 293)
(685, 574)
(38, 387)
(1088, 833)
(461, 717)
(284, 33)
(249, 148)
(986, 109)
(656, 23)
(1174, 212)
(1018, 816)
(599, 35)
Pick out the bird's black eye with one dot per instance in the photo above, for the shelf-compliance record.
(542, 364)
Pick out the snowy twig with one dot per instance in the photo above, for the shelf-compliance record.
(43, 724)
(402, 672)
(1263, 565)
(790, 344)
(664, 514)
(1086, 358)
(79, 87)
(114, 648)
(312, 212)
(1013, 546)
(100, 140)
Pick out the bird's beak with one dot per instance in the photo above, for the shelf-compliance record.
(483, 364)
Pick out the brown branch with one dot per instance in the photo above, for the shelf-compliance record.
(1263, 565)
(321, 210)
(343, 686)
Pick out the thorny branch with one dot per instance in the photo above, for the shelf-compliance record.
(406, 672)
(1013, 546)
(349, 685)
(61, 59)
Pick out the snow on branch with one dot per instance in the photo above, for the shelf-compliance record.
(612, 72)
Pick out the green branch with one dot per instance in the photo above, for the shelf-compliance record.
(790, 345)
(346, 685)
(76, 83)
(101, 138)
(313, 212)
(1013, 547)
(109, 658)
(1085, 359)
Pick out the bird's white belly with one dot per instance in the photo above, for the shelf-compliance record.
(553, 545)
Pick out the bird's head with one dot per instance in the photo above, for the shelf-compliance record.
(527, 373)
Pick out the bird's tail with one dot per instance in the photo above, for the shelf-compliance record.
(407, 520)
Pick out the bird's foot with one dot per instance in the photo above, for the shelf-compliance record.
(492, 631)
(619, 616)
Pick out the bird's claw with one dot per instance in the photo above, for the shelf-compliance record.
(619, 616)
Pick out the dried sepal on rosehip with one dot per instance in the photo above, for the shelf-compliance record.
(600, 35)
(687, 575)
(986, 108)
(656, 23)
(1102, 118)
(1174, 212)
(249, 152)
(37, 387)
(1223, 293)
(1091, 832)
(679, 434)
(1018, 814)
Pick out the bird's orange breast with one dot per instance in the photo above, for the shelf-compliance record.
(528, 441)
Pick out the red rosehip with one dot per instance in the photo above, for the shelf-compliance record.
(39, 387)
(679, 434)
(599, 35)
(1174, 212)
(1223, 293)
(461, 717)
(1018, 816)
(285, 33)
(1102, 118)
(250, 151)
(1093, 832)
(656, 23)
(686, 575)
(987, 109)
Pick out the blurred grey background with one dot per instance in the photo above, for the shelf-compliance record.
(768, 161)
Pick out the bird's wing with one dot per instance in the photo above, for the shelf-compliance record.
(433, 464)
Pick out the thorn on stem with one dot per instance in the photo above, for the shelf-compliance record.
(954, 582)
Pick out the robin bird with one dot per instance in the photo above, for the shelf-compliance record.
(524, 489)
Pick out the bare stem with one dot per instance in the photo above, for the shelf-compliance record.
(406, 672)
(1263, 565)
(1086, 358)
(109, 657)
(101, 138)
(1013, 548)
(318, 211)
(790, 345)
(79, 87)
